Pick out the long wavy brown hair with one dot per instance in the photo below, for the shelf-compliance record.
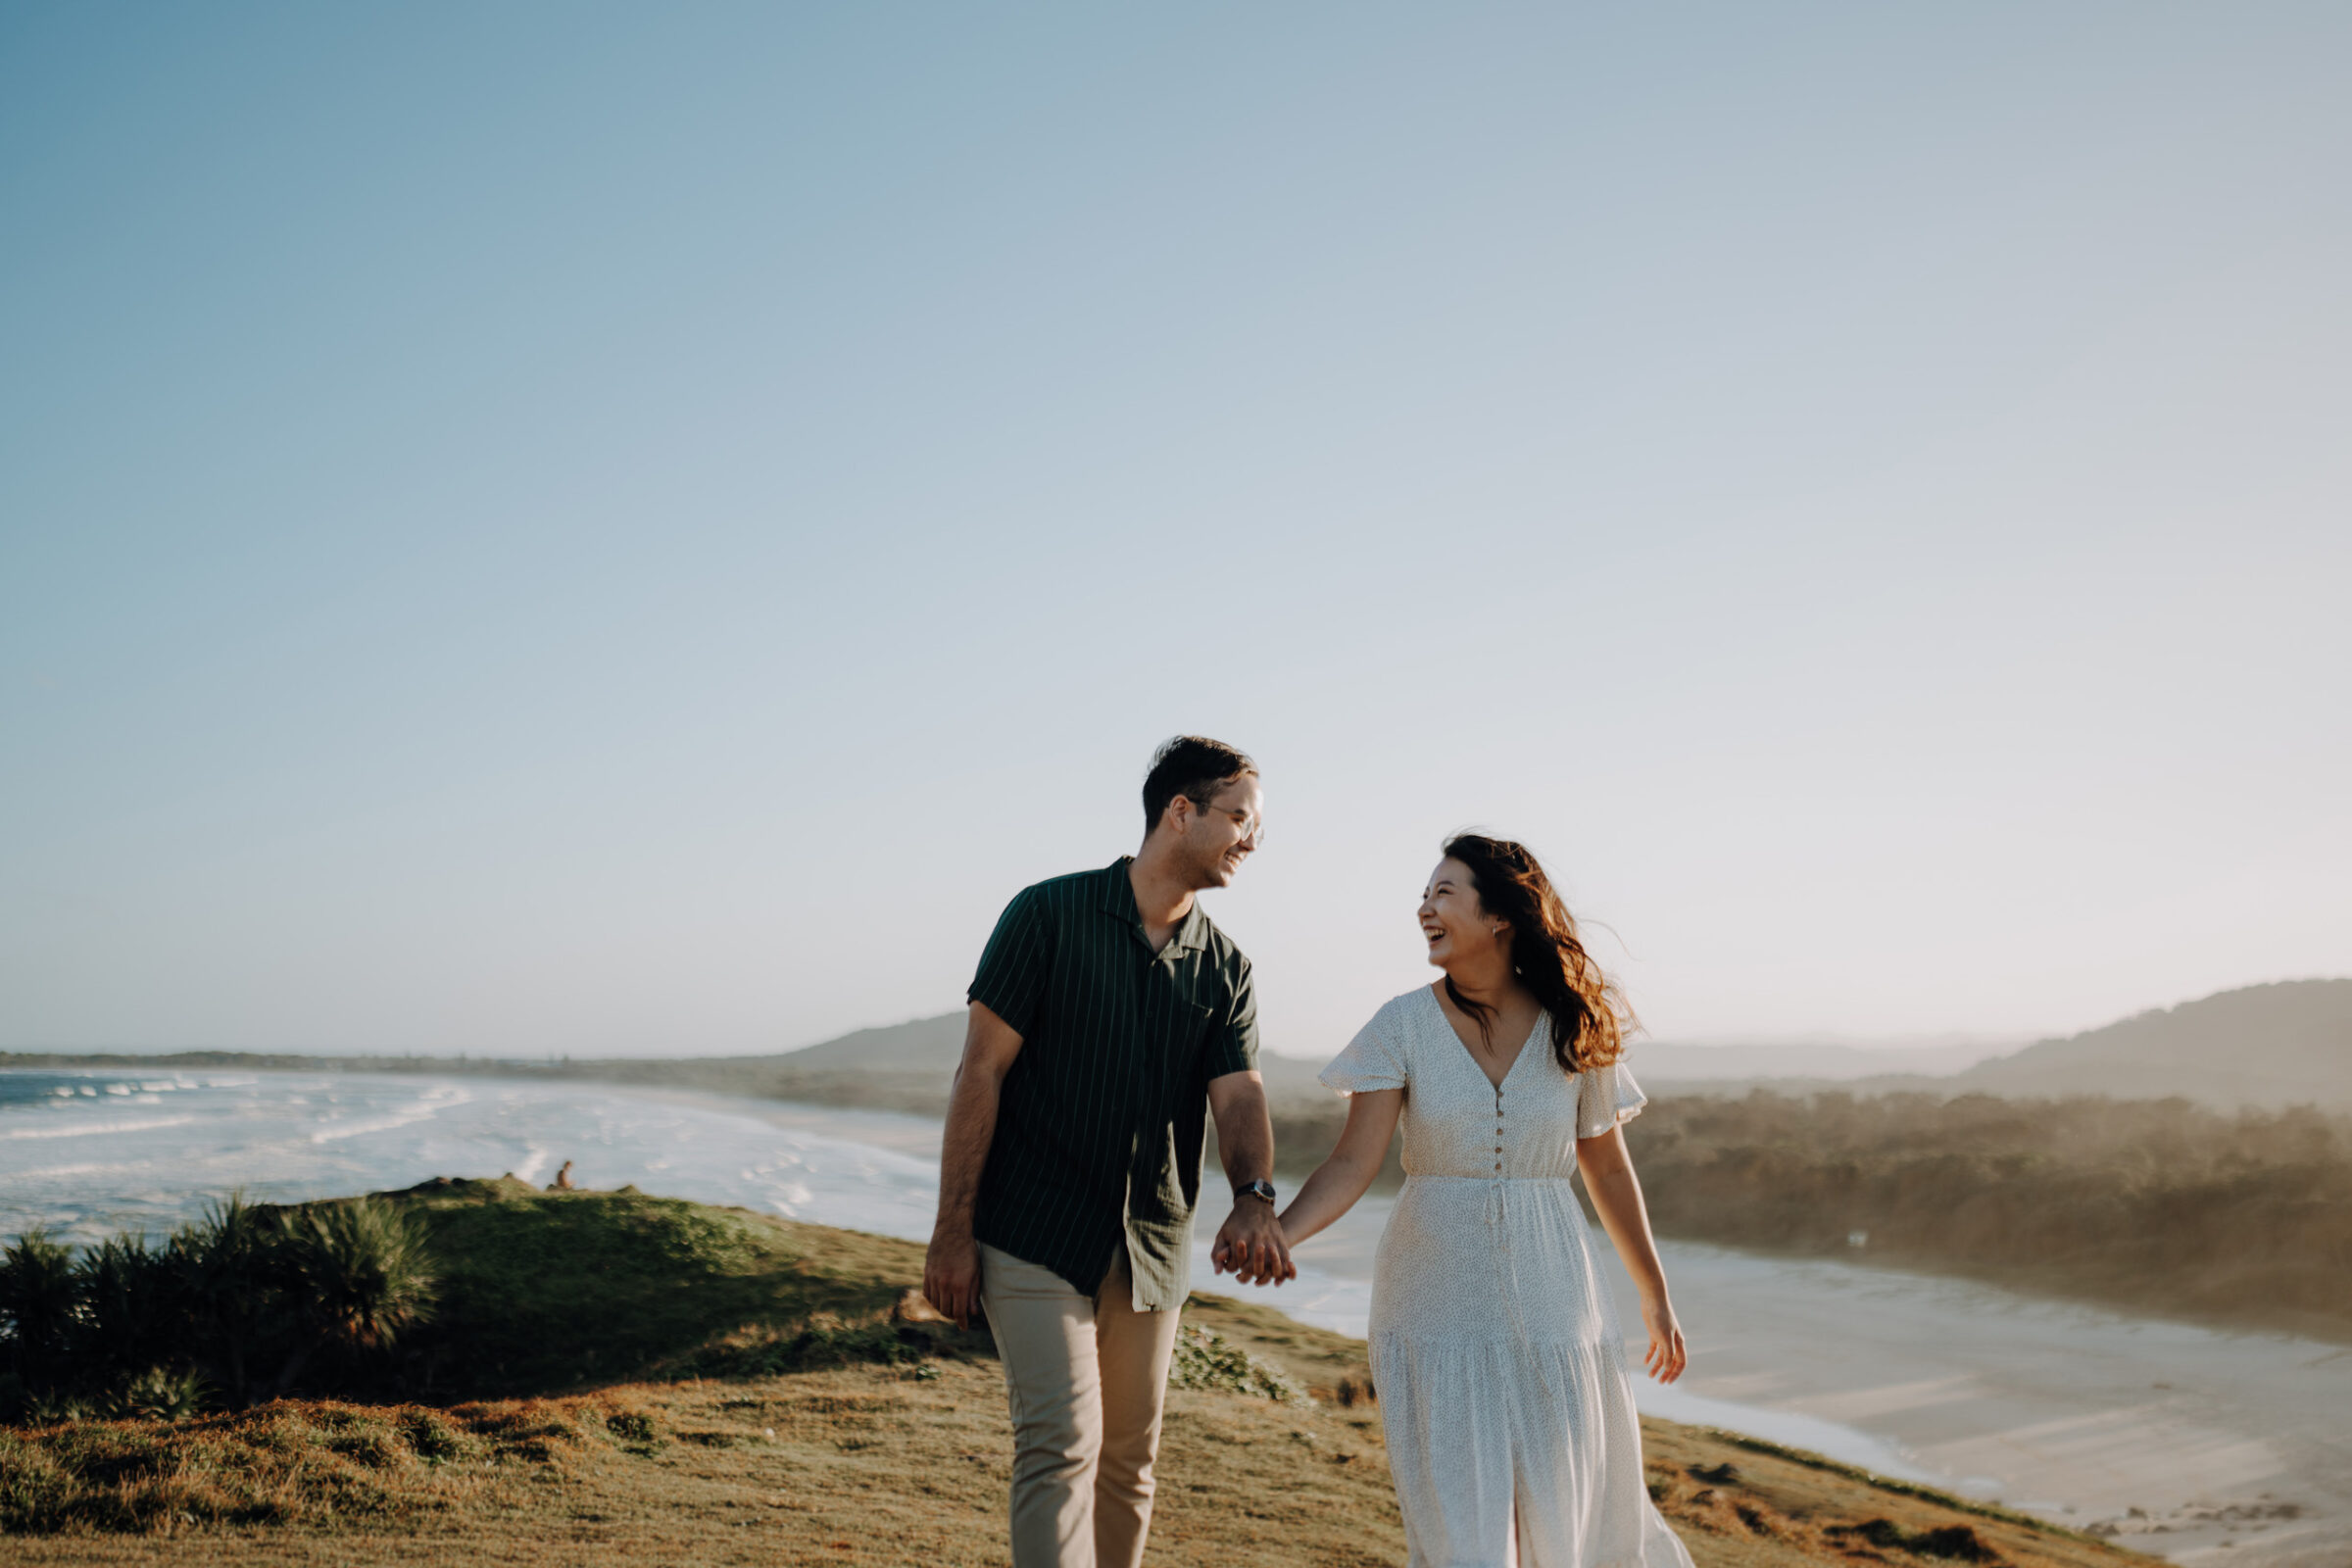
(1590, 1019)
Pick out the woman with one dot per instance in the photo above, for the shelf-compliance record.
(1503, 1384)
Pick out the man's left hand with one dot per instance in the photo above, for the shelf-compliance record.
(1250, 1245)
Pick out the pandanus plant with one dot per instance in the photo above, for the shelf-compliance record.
(226, 1266)
(135, 1313)
(40, 1307)
(360, 1275)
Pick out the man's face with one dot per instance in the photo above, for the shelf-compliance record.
(1219, 836)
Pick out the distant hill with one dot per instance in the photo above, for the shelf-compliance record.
(2287, 1043)
(933, 1046)
(1833, 1061)
(918, 1045)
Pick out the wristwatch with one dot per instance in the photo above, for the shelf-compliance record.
(1259, 1188)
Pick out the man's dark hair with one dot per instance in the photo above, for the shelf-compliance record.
(1193, 766)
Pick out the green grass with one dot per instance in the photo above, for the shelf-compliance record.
(548, 1292)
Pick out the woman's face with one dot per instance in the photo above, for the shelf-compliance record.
(1457, 928)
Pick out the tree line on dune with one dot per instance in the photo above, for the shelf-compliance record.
(232, 1308)
(2155, 1206)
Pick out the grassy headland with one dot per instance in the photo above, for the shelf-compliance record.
(613, 1375)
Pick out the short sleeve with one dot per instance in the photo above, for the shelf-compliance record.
(1233, 1047)
(1013, 965)
(1606, 1097)
(1373, 1059)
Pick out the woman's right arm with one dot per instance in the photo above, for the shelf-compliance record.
(1344, 1177)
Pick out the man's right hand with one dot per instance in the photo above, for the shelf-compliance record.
(951, 1276)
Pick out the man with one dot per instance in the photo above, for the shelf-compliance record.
(1107, 1010)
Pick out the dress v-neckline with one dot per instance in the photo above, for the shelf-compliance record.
(1492, 1082)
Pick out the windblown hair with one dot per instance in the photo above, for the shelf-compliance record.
(1193, 766)
(1590, 1019)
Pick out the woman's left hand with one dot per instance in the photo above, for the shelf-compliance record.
(1666, 1355)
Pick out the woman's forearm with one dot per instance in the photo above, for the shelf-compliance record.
(1343, 1176)
(1332, 1191)
(1616, 1194)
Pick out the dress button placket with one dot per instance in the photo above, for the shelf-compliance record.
(1494, 1211)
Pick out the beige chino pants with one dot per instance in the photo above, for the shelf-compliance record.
(1086, 1376)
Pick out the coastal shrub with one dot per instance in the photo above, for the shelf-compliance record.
(1206, 1360)
(227, 1269)
(158, 1394)
(455, 1291)
(2106, 1199)
(134, 1315)
(40, 1309)
(229, 1308)
(357, 1277)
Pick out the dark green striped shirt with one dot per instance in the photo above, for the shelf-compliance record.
(1101, 1122)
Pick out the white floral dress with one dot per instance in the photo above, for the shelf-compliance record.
(1503, 1382)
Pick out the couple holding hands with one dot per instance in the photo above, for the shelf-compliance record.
(1109, 1018)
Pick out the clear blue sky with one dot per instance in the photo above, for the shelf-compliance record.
(554, 527)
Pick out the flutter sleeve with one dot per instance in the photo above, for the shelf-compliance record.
(1606, 1098)
(1373, 1059)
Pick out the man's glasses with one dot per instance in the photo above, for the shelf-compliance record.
(1254, 828)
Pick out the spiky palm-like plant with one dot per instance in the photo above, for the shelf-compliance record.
(361, 1275)
(133, 1305)
(228, 1268)
(40, 1307)
(158, 1394)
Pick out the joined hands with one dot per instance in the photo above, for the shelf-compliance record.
(1250, 1246)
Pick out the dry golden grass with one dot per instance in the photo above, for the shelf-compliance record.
(868, 1463)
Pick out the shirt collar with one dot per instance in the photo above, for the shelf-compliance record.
(1118, 900)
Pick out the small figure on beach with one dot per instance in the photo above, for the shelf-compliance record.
(1108, 1018)
(562, 1181)
(1503, 1390)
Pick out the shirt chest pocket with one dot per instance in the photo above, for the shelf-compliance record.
(1180, 1035)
